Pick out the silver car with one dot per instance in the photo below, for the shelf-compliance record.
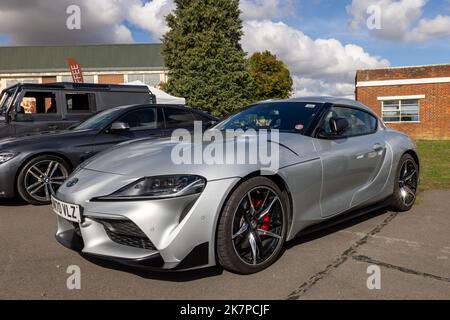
(136, 205)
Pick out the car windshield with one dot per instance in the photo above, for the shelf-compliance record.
(99, 120)
(282, 116)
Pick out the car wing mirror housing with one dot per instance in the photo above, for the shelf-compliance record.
(338, 126)
(119, 127)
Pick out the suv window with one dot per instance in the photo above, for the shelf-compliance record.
(80, 102)
(38, 103)
(142, 119)
(361, 123)
(5, 100)
(178, 118)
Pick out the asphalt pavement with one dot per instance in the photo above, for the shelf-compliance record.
(407, 256)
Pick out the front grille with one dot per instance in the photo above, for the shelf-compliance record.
(126, 233)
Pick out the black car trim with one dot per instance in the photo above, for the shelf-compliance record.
(152, 262)
(71, 240)
(199, 256)
(345, 216)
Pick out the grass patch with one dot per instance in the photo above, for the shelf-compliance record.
(435, 164)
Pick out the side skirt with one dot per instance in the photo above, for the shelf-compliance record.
(343, 217)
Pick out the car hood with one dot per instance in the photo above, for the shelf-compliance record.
(162, 157)
(32, 138)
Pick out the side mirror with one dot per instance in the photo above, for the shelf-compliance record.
(339, 125)
(119, 127)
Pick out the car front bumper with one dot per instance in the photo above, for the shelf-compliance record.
(166, 234)
(8, 172)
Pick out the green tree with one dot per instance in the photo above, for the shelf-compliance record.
(271, 77)
(204, 57)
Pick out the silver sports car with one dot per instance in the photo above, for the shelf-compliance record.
(140, 205)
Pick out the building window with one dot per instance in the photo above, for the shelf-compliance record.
(87, 79)
(401, 110)
(150, 79)
(12, 82)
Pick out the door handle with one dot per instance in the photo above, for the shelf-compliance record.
(53, 127)
(377, 147)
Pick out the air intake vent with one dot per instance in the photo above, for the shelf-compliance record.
(126, 233)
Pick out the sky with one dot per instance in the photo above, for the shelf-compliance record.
(323, 42)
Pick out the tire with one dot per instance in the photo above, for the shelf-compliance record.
(405, 192)
(41, 177)
(265, 232)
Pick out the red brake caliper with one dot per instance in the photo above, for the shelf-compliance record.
(266, 220)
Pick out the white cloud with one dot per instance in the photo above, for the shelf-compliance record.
(28, 22)
(320, 66)
(434, 28)
(151, 16)
(401, 20)
(102, 21)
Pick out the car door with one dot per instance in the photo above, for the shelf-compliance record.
(144, 122)
(350, 161)
(37, 110)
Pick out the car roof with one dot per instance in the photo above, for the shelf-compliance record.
(83, 86)
(327, 99)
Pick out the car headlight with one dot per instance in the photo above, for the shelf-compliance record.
(160, 187)
(6, 156)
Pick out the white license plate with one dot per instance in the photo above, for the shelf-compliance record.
(66, 210)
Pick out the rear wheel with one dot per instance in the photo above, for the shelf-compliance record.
(41, 177)
(252, 228)
(406, 184)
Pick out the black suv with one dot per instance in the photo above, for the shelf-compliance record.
(27, 108)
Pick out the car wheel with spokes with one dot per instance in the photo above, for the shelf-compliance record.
(41, 177)
(406, 184)
(252, 228)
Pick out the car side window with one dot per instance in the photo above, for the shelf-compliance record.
(360, 122)
(40, 102)
(142, 119)
(199, 117)
(80, 102)
(178, 118)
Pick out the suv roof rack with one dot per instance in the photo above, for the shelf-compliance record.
(83, 86)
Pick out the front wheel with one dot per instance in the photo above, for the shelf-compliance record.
(41, 177)
(406, 184)
(252, 228)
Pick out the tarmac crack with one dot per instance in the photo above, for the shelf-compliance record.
(401, 269)
(314, 279)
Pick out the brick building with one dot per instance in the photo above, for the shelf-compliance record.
(114, 63)
(415, 100)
